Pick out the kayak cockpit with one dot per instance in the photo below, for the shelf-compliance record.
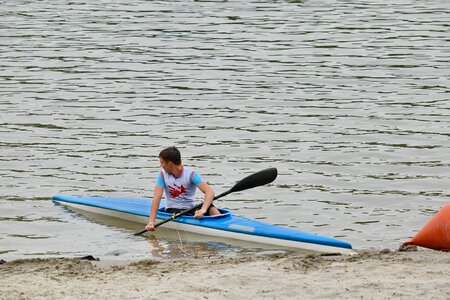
(224, 213)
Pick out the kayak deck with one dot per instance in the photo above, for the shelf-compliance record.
(225, 225)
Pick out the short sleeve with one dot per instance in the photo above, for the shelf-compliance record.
(160, 181)
(196, 179)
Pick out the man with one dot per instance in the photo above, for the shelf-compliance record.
(179, 184)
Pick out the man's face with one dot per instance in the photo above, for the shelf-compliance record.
(165, 165)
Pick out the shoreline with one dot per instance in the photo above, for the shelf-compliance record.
(366, 275)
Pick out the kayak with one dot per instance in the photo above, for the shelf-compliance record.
(226, 225)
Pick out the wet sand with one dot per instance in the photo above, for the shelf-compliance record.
(365, 275)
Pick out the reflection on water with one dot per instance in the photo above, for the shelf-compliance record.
(161, 247)
(348, 100)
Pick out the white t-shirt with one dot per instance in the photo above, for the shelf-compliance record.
(180, 191)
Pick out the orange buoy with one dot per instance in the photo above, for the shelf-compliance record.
(436, 233)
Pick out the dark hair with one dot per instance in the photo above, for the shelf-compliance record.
(171, 154)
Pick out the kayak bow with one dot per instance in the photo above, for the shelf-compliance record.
(225, 225)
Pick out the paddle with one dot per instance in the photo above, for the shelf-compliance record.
(257, 179)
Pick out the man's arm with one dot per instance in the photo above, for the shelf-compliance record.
(157, 195)
(209, 197)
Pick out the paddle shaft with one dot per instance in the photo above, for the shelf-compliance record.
(182, 213)
(251, 181)
(179, 214)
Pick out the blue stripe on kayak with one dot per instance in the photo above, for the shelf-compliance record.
(135, 206)
(227, 222)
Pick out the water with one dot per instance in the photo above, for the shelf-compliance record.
(349, 100)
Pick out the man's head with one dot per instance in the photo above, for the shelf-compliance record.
(169, 157)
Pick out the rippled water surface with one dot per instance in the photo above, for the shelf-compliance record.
(350, 100)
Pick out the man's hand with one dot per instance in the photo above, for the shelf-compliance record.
(150, 226)
(199, 213)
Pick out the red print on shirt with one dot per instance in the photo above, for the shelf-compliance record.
(176, 191)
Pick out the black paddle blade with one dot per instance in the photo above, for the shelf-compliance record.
(257, 179)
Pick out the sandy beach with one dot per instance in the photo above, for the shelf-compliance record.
(365, 275)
